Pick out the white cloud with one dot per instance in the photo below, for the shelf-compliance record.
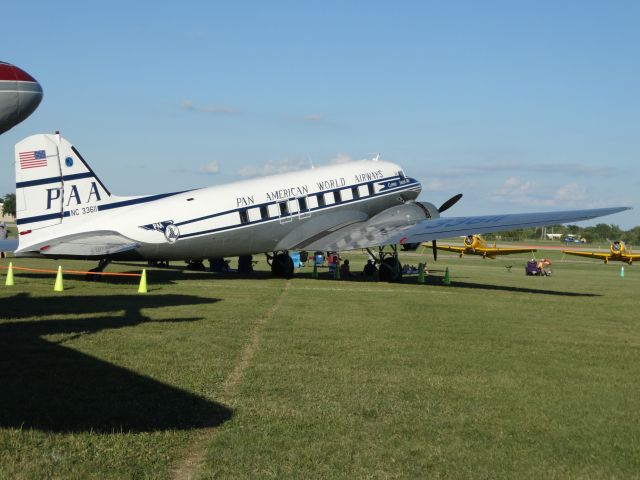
(211, 168)
(492, 168)
(340, 158)
(272, 167)
(571, 192)
(522, 192)
(435, 185)
(222, 109)
(535, 193)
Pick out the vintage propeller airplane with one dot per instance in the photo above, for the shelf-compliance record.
(617, 252)
(476, 245)
(65, 211)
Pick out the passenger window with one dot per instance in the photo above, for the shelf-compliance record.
(264, 212)
(371, 189)
(302, 203)
(321, 202)
(355, 193)
(284, 208)
(244, 218)
(336, 196)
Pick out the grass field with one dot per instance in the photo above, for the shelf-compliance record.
(214, 376)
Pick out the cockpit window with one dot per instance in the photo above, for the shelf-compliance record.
(401, 175)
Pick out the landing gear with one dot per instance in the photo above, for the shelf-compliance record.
(102, 264)
(281, 264)
(390, 269)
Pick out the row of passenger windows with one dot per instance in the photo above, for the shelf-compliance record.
(304, 204)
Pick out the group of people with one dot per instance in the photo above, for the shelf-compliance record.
(538, 267)
(334, 261)
(369, 270)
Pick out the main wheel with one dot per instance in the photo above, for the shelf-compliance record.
(390, 270)
(282, 266)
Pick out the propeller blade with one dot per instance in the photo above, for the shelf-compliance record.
(450, 203)
(435, 250)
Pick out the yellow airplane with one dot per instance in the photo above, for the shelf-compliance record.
(617, 250)
(476, 245)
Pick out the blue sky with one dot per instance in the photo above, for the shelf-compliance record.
(521, 106)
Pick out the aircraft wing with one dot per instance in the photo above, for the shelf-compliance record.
(601, 256)
(505, 251)
(450, 248)
(91, 244)
(407, 224)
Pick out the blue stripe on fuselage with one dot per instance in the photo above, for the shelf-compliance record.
(408, 184)
(45, 181)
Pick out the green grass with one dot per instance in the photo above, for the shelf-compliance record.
(497, 376)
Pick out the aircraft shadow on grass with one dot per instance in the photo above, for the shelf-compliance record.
(434, 280)
(47, 386)
(173, 274)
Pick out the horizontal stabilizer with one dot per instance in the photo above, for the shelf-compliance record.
(88, 245)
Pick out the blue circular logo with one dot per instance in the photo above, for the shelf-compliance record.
(68, 161)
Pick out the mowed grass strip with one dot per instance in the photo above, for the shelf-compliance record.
(100, 382)
(498, 376)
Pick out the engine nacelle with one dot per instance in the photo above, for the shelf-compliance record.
(430, 209)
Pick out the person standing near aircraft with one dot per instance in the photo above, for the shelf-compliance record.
(370, 269)
(345, 270)
(3, 236)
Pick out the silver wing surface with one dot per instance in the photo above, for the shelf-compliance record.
(407, 224)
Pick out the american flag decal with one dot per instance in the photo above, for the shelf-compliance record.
(35, 159)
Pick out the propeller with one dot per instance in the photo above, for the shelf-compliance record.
(449, 203)
(445, 206)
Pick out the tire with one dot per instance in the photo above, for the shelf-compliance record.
(390, 270)
(282, 266)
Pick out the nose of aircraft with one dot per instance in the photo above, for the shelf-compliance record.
(20, 95)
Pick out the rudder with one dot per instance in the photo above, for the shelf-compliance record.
(53, 181)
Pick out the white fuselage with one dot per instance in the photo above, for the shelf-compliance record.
(267, 214)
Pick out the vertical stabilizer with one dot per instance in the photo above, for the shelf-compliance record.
(53, 183)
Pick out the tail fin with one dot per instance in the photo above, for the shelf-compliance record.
(53, 182)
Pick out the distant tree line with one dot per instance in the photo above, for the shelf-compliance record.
(9, 204)
(599, 233)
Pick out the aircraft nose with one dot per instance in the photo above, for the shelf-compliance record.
(20, 95)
